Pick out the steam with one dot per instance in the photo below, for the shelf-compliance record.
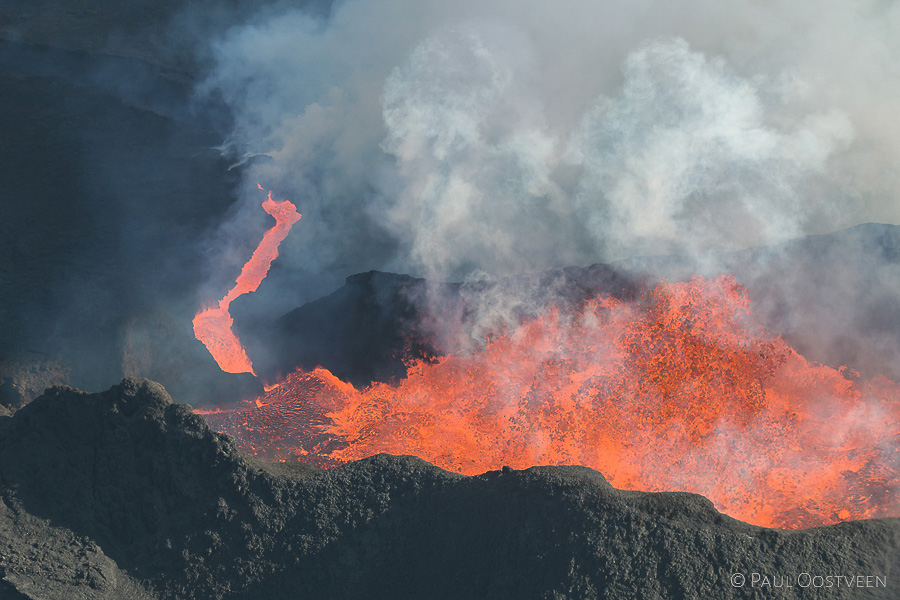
(684, 158)
(493, 138)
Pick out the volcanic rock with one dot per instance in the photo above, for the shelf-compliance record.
(125, 494)
(370, 328)
(25, 377)
(832, 297)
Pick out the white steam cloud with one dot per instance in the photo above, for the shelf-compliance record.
(453, 140)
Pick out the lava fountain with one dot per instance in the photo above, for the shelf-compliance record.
(213, 325)
(678, 389)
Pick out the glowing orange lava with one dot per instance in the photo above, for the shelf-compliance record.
(212, 325)
(677, 390)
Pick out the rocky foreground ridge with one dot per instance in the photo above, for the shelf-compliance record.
(127, 495)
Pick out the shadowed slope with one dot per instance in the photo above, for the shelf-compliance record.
(152, 492)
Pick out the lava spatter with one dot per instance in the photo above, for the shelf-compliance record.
(677, 390)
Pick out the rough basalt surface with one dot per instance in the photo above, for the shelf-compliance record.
(125, 494)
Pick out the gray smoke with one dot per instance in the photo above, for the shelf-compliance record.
(499, 137)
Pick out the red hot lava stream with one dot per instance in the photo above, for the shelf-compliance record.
(212, 325)
(677, 390)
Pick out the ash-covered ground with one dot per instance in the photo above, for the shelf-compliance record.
(137, 499)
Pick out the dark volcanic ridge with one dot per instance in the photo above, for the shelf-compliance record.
(125, 494)
(832, 297)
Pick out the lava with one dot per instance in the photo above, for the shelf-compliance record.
(676, 390)
(213, 325)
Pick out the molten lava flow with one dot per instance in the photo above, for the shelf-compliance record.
(212, 325)
(678, 390)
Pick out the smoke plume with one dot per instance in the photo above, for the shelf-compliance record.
(498, 137)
